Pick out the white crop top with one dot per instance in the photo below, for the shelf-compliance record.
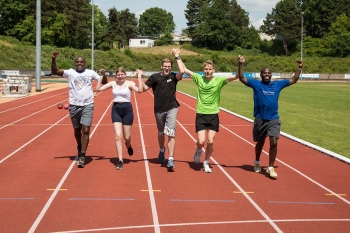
(121, 95)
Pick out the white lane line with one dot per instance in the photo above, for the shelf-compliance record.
(257, 207)
(287, 165)
(148, 174)
(33, 102)
(8, 156)
(27, 116)
(205, 223)
(53, 195)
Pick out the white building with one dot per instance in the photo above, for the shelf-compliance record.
(142, 42)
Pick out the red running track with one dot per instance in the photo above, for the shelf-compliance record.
(42, 190)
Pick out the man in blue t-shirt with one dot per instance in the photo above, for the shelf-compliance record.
(267, 121)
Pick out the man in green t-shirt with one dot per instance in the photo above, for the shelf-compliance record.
(207, 109)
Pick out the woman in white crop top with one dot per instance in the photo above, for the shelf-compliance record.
(122, 113)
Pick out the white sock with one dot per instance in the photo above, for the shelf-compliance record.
(206, 162)
(269, 168)
(162, 150)
(171, 157)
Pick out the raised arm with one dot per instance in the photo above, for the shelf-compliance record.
(54, 69)
(139, 87)
(296, 75)
(103, 77)
(176, 53)
(240, 75)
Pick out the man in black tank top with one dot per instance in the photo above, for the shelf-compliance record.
(166, 106)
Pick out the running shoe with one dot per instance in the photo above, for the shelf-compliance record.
(161, 157)
(130, 150)
(272, 173)
(119, 165)
(197, 157)
(206, 168)
(257, 167)
(81, 162)
(170, 163)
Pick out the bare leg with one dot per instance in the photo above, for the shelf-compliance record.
(127, 134)
(85, 138)
(210, 146)
(273, 151)
(258, 148)
(201, 139)
(118, 139)
(171, 145)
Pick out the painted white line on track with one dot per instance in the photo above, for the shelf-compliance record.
(57, 189)
(148, 174)
(31, 102)
(8, 156)
(27, 116)
(205, 223)
(293, 138)
(257, 207)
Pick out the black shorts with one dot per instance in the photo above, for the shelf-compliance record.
(122, 112)
(263, 128)
(207, 121)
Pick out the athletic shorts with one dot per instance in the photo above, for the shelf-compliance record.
(81, 115)
(263, 128)
(207, 121)
(166, 122)
(122, 112)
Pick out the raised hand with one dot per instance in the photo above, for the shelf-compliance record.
(241, 59)
(176, 52)
(55, 54)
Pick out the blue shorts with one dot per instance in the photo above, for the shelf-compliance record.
(122, 112)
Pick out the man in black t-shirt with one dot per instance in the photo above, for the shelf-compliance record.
(166, 106)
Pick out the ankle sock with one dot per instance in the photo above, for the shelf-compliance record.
(171, 157)
(162, 149)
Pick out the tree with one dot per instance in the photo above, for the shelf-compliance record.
(285, 22)
(155, 21)
(12, 12)
(192, 14)
(339, 36)
(320, 14)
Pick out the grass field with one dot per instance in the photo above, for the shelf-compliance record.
(317, 112)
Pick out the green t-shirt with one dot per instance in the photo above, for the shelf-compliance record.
(208, 93)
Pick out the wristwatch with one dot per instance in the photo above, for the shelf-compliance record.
(178, 58)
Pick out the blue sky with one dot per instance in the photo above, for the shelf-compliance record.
(257, 9)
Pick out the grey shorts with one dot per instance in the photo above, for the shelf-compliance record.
(166, 122)
(81, 115)
(263, 128)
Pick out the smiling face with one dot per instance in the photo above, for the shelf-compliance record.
(266, 75)
(79, 63)
(166, 67)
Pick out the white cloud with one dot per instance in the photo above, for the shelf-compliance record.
(257, 9)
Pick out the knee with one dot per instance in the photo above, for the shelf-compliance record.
(200, 142)
(273, 144)
(86, 130)
(118, 137)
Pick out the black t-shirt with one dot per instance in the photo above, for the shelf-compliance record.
(164, 89)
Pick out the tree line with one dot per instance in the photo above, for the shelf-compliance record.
(221, 25)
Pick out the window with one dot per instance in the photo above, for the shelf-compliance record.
(142, 42)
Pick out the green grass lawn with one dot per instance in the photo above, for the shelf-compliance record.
(317, 112)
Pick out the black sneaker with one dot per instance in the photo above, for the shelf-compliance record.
(119, 165)
(81, 162)
(130, 150)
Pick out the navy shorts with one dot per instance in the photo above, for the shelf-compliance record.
(263, 128)
(122, 112)
(207, 121)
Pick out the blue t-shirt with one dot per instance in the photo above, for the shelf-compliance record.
(266, 97)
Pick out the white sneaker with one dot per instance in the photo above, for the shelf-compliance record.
(206, 168)
(257, 167)
(272, 173)
(197, 157)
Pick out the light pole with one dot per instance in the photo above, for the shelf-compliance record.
(301, 35)
(301, 41)
(92, 35)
